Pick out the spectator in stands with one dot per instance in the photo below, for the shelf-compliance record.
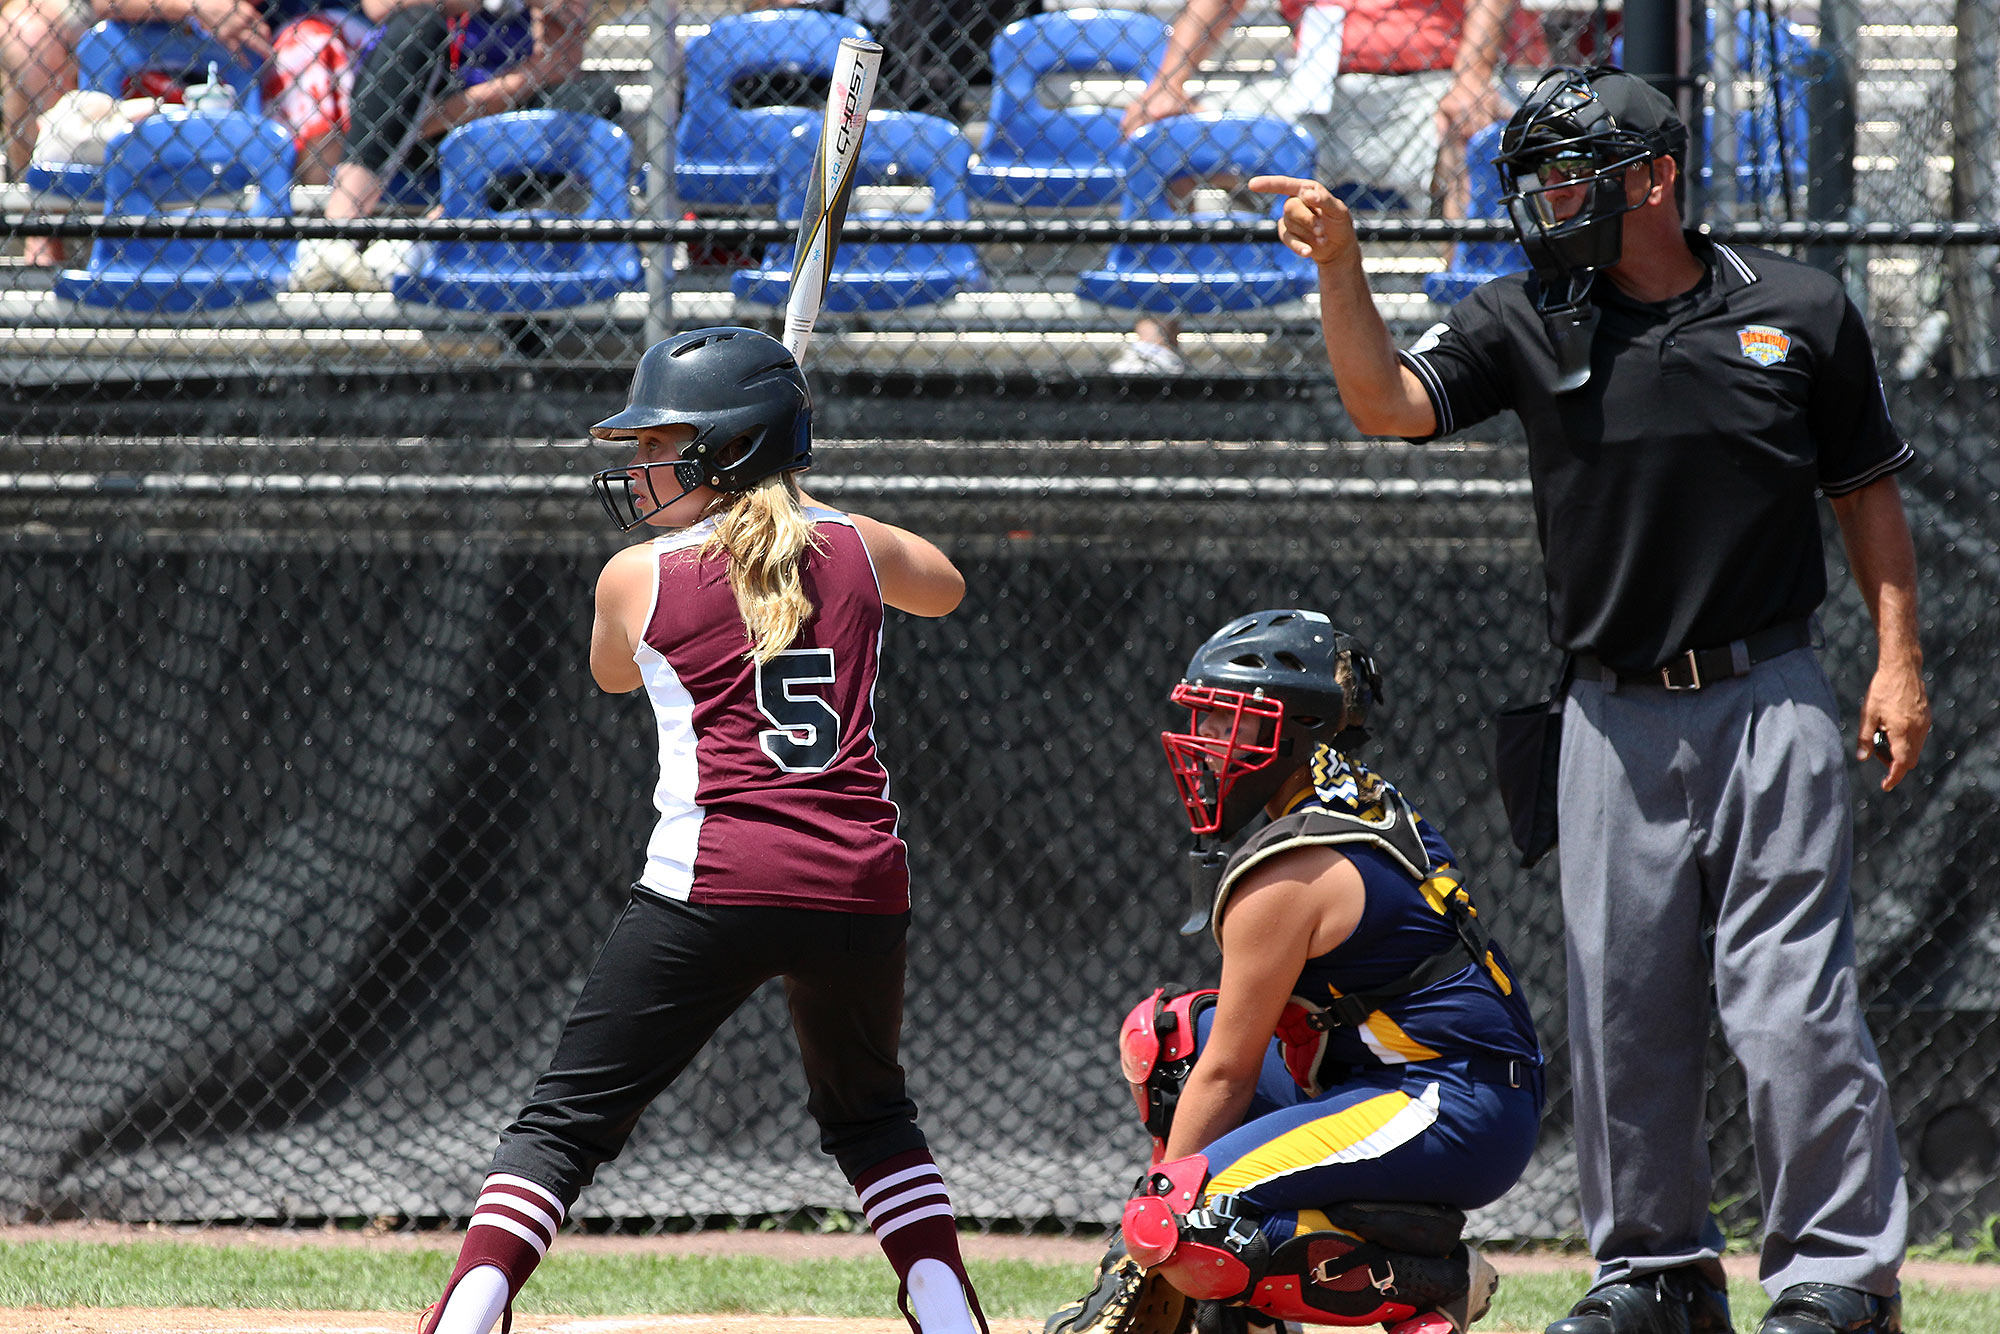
(309, 83)
(870, 14)
(37, 65)
(38, 62)
(934, 52)
(1416, 79)
(430, 67)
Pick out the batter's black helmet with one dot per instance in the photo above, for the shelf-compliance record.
(745, 396)
(1268, 686)
(1581, 129)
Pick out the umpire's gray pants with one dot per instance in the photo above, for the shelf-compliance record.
(1726, 805)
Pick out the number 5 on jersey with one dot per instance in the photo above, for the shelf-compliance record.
(806, 734)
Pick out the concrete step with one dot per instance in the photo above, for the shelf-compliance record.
(1026, 312)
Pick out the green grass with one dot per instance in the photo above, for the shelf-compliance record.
(141, 1273)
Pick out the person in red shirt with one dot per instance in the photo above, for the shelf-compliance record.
(1390, 89)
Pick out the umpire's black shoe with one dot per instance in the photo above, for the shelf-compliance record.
(1823, 1308)
(1673, 1301)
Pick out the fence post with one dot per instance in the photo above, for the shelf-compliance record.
(1720, 197)
(1830, 149)
(1975, 186)
(1655, 50)
(662, 200)
(1653, 45)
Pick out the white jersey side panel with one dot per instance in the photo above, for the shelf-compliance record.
(670, 852)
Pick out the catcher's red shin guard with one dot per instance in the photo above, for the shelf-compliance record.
(1337, 1279)
(1151, 1223)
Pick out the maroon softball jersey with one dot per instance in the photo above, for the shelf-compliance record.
(770, 791)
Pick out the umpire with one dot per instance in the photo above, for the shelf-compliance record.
(1684, 402)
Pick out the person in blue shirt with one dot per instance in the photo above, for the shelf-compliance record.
(430, 66)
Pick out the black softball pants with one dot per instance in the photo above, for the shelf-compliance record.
(668, 976)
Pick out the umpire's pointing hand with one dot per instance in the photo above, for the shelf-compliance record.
(1314, 223)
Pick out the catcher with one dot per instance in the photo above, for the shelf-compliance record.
(1367, 1068)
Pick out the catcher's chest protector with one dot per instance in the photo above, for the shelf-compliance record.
(1389, 826)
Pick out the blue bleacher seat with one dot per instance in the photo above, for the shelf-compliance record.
(1045, 156)
(1786, 63)
(1761, 170)
(900, 148)
(1477, 262)
(174, 161)
(407, 193)
(112, 52)
(480, 163)
(724, 154)
(1203, 277)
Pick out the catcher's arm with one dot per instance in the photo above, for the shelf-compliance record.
(1285, 911)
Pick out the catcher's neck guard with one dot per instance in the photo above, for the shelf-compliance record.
(1205, 862)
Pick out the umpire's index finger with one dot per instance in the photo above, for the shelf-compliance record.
(1292, 186)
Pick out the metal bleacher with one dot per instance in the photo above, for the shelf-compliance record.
(1902, 75)
(1028, 319)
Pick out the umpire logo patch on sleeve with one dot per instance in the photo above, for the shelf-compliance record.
(1430, 339)
(1763, 344)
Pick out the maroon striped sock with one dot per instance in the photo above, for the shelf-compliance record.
(513, 1225)
(910, 1214)
(909, 1211)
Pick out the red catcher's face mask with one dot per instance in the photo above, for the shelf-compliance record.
(1230, 736)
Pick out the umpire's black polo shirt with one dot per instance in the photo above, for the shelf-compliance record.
(1675, 492)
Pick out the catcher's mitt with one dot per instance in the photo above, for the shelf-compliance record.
(1124, 1299)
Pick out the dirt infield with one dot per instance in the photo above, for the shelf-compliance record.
(187, 1321)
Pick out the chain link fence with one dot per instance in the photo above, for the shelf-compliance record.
(313, 820)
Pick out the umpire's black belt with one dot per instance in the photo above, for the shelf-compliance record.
(1704, 666)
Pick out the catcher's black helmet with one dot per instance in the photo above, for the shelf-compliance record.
(1268, 688)
(1580, 129)
(747, 400)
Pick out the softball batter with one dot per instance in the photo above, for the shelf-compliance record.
(752, 623)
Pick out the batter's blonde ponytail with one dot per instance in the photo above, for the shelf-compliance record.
(765, 533)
